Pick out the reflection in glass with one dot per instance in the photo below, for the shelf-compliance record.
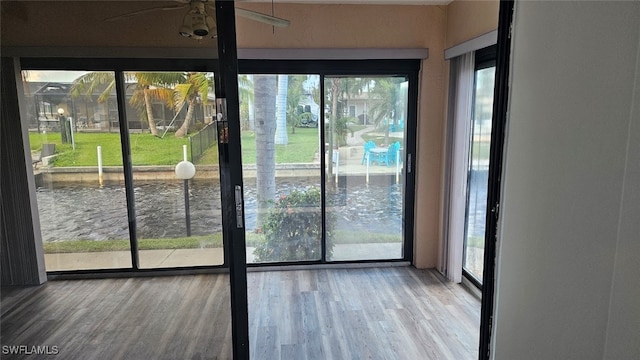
(281, 166)
(365, 130)
(478, 173)
(83, 216)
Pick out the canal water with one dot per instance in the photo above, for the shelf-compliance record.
(80, 212)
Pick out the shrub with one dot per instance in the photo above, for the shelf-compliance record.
(293, 228)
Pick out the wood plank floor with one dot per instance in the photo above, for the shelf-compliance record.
(370, 313)
(178, 317)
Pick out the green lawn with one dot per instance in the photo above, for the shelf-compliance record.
(475, 241)
(195, 242)
(481, 150)
(147, 149)
(301, 148)
(74, 246)
(210, 157)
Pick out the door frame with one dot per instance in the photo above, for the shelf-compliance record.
(484, 58)
(498, 124)
(407, 67)
(118, 66)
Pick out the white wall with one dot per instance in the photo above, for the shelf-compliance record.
(623, 332)
(568, 265)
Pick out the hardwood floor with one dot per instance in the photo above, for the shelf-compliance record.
(178, 317)
(370, 313)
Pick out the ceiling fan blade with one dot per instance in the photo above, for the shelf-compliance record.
(264, 18)
(145, 11)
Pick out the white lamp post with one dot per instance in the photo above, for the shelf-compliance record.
(185, 170)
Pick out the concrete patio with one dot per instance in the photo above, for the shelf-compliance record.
(170, 258)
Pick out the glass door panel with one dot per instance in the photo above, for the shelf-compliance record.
(478, 172)
(170, 121)
(78, 169)
(281, 167)
(365, 135)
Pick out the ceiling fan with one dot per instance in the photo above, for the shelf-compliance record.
(197, 24)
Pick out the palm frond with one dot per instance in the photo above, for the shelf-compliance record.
(162, 94)
(160, 79)
(201, 84)
(88, 83)
(181, 94)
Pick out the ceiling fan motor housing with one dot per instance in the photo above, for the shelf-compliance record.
(199, 24)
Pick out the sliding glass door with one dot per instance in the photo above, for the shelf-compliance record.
(324, 166)
(101, 209)
(364, 132)
(280, 119)
(477, 180)
(78, 169)
(323, 161)
(170, 121)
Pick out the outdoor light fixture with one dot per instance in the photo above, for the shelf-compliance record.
(185, 170)
(60, 111)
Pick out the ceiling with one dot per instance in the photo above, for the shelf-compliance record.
(344, 2)
(364, 2)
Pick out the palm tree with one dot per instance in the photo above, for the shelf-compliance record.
(334, 93)
(385, 95)
(245, 93)
(294, 93)
(147, 89)
(144, 93)
(265, 127)
(195, 87)
(90, 82)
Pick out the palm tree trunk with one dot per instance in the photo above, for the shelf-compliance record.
(281, 110)
(152, 122)
(105, 107)
(335, 93)
(265, 129)
(184, 129)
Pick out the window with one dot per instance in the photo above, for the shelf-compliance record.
(314, 192)
(478, 165)
(102, 210)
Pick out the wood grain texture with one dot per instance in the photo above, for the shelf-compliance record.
(369, 313)
(373, 313)
(174, 317)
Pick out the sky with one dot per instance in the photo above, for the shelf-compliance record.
(53, 76)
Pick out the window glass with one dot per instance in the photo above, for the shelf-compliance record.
(72, 120)
(478, 172)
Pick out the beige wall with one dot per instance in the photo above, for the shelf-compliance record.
(55, 24)
(380, 26)
(467, 19)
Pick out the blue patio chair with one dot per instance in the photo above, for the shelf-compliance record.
(390, 157)
(367, 147)
(392, 153)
